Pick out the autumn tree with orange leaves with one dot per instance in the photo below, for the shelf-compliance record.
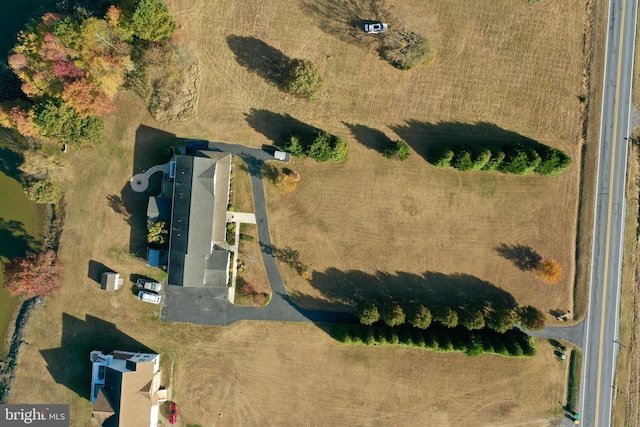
(71, 67)
(36, 275)
(549, 270)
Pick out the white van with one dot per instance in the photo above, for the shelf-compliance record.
(149, 297)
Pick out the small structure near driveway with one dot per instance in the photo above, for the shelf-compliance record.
(111, 281)
(283, 156)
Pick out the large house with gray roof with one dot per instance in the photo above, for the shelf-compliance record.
(197, 238)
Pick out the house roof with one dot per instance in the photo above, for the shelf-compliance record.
(198, 217)
(216, 271)
(129, 391)
(102, 409)
(110, 281)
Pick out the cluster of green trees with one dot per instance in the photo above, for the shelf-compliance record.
(43, 191)
(397, 150)
(320, 146)
(514, 159)
(71, 67)
(512, 343)
(496, 317)
(303, 79)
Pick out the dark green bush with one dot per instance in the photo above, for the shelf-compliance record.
(152, 21)
(419, 316)
(320, 149)
(475, 347)
(397, 150)
(462, 160)
(367, 312)
(392, 337)
(369, 336)
(528, 346)
(487, 343)
(515, 159)
(295, 146)
(520, 160)
(392, 314)
(340, 150)
(472, 318)
(497, 157)
(322, 146)
(442, 157)
(303, 79)
(59, 122)
(481, 156)
(381, 333)
(405, 336)
(553, 162)
(513, 346)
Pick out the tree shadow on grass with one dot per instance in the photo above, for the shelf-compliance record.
(149, 151)
(260, 58)
(523, 257)
(69, 364)
(369, 137)
(345, 19)
(136, 207)
(426, 138)
(15, 241)
(116, 203)
(433, 289)
(277, 127)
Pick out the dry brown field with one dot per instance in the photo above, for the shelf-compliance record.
(502, 70)
(283, 374)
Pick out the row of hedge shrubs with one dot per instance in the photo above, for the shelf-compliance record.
(493, 316)
(320, 146)
(439, 338)
(515, 159)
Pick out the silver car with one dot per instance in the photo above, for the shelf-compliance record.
(376, 28)
(149, 285)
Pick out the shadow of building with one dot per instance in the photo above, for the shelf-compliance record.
(69, 364)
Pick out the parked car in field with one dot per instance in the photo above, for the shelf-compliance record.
(375, 28)
(151, 297)
(173, 413)
(149, 285)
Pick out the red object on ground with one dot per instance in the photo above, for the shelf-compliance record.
(173, 413)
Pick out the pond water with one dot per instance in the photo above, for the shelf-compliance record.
(21, 221)
(13, 17)
(21, 224)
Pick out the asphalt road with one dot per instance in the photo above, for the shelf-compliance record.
(601, 329)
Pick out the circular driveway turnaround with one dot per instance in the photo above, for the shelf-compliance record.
(140, 182)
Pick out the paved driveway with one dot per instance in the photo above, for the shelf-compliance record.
(209, 306)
